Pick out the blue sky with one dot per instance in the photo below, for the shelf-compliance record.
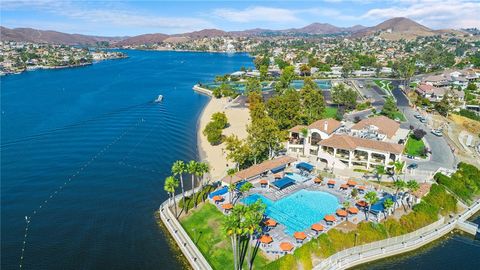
(119, 18)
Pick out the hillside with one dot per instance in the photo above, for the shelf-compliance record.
(397, 28)
(47, 36)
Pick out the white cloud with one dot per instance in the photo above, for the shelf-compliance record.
(109, 13)
(434, 14)
(257, 14)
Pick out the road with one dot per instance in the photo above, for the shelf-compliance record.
(442, 155)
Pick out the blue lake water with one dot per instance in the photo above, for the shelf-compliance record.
(299, 210)
(84, 153)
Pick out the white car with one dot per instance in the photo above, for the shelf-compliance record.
(437, 133)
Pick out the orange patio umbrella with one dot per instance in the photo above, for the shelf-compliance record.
(277, 176)
(317, 180)
(341, 213)
(351, 183)
(270, 223)
(330, 218)
(300, 235)
(227, 206)
(263, 181)
(266, 239)
(362, 187)
(362, 203)
(331, 182)
(353, 210)
(217, 198)
(286, 246)
(344, 186)
(317, 227)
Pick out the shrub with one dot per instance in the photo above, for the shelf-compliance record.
(419, 133)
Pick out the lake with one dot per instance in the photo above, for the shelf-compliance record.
(84, 153)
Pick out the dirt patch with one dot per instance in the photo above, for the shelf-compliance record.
(467, 123)
(346, 226)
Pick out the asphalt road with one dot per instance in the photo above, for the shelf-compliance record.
(442, 155)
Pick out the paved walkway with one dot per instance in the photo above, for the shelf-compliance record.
(189, 249)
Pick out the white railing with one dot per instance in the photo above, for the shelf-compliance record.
(184, 242)
(391, 246)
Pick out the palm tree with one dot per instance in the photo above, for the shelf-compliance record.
(397, 168)
(203, 169)
(253, 217)
(170, 185)
(412, 186)
(178, 168)
(231, 189)
(232, 228)
(192, 168)
(399, 185)
(387, 204)
(304, 135)
(346, 205)
(379, 171)
(371, 198)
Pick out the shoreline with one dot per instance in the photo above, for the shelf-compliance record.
(215, 155)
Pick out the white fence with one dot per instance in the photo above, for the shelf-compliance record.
(188, 248)
(391, 246)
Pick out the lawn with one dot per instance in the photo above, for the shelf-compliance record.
(400, 116)
(204, 226)
(385, 85)
(330, 112)
(414, 147)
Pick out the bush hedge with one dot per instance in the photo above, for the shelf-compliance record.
(465, 182)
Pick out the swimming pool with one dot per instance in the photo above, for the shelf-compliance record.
(299, 210)
(297, 177)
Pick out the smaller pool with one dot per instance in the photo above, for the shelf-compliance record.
(297, 177)
(298, 211)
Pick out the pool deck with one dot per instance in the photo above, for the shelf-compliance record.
(278, 233)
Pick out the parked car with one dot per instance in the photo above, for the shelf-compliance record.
(437, 133)
(412, 166)
(423, 120)
(410, 157)
(418, 116)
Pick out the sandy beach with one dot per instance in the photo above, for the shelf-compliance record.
(238, 119)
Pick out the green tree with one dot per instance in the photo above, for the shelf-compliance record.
(304, 134)
(252, 85)
(288, 74)
(263, 72)
(220, 119)
(238, 151)
(443, 107)
(390, 108)
(312, 100)
(371, 198)
(342, 95)
(399, 185)
(169, 186)
(263, 137)
(387, 205)
(412, 187)
(178, 168)
(285, 109)
(192, 169)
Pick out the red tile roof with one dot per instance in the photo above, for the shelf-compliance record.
(331, 125)
(258, 169)
(351, 143)
(384, 124)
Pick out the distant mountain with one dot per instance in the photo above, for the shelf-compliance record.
(142, 39)
(394, 29)
(47, 36)
(397, 28)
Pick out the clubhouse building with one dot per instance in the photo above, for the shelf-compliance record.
(371, 142)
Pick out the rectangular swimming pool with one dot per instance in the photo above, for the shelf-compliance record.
(299, 210)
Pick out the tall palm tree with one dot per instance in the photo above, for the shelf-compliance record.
(203, 169)
(253, 217)
(387, 204)
(379, 171)
(169, 186)
(192, 168)
(304, 135)
(399, 185)
(231, 227)
(412, 186)
(178, 168)
(371, 198)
